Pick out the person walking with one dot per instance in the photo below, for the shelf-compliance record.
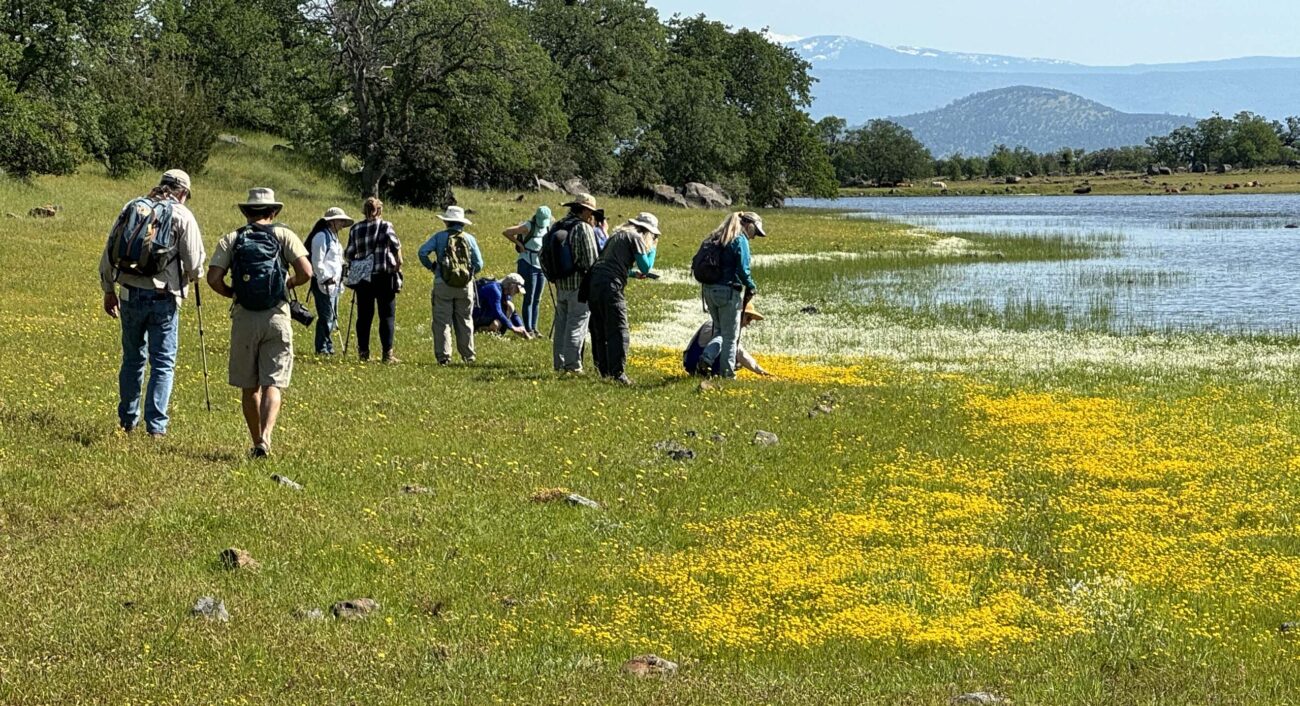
(706, 340)
(154, 251)
(527, 237)
(327, 274)
(631, 245)
(456, 260)
(259, 257)
(374, 257)
(493, 310)
(722, 266)
(568, 252)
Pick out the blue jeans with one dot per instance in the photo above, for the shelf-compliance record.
(327, 318)
(724, 303)
(150, 327)
(534, 286)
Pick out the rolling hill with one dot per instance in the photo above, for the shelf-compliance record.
(1041, 119)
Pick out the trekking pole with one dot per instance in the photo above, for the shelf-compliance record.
(347, 338)
(203, 349)
(554, 306)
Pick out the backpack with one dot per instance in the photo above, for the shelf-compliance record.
(256, 268)
(141, 242)
(708, 263)
(556, 255)
(454, 266)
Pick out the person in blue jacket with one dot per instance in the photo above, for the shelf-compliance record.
(726, 299)
(494, 312)
(633, 244)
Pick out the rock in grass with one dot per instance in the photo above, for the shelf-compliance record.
(309, 615)
(809, 310)
(649, 666)
(674, 450)
(766, 438)
(230, 139)
(580, 501)
(46, 211)
(412, 489)
(1289, 629)
(286, 482)
(980, 698)
(550, 495)
(354, 609)
(210, 608)
(718, 437)
(235, 558)
(819, 410)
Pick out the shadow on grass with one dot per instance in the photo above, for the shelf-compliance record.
(50, 424)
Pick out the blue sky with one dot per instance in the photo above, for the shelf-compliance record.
(1104, 32)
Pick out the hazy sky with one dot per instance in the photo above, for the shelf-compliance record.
(1104, 32)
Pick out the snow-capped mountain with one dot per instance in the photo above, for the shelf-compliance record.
(834, 52)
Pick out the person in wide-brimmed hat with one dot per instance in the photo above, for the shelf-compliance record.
(577, 232)
(632, 245)
(456, 260)
(327, 274)
(374, 257)
(494, 311)
(258, 256)
(708, 343)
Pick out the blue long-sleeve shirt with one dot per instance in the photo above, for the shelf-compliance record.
(489, 306)
(740, 274)
(437, 244)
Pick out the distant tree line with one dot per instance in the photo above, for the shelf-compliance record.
(421, 94)
(883, 152)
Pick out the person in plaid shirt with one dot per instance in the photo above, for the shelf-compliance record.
(375, 239)
(571, 315)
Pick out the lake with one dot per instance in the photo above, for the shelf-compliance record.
(1195, 263)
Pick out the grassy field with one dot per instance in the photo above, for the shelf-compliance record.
(1271, 180)
(1050, 516)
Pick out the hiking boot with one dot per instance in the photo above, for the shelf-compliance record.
(390, 359)
(623, 380)
(363, 356)
(259, 451)
(157, 435)
(704, 368)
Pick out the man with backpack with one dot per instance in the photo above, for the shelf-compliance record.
(568, 252)
(154, 251)
(456, 261)
(258, 257)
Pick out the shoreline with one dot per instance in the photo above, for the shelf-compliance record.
(1274, 181)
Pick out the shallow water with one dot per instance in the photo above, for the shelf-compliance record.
(1202, 263)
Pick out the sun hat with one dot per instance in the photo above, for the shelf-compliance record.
(175, 177)
(586, 201)
(751, 312)
(261, 196)
(515, 279)
(337, 214)
(455, 214)
(646, 220)
(757, 220)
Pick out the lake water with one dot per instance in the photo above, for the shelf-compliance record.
(1203, 263)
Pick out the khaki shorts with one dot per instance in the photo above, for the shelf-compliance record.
(261, 349)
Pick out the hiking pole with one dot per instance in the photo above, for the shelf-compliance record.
(554, 306)
(203, 349)
(347, 338)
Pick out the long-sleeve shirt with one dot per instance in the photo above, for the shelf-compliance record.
(582, 239)
(326, 260)
(375, 239)
(175, 276)
(702, 339)
(436, 245)
(489, 306)
(625, 248)
(741, 275)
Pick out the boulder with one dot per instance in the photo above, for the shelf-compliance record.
(1083, 190)
(210, 608)
(1165, 171)
(354, 609)
(765, 438)
(1294, 164)
(49, 210)
(649, 666)
(667, 195)
(704, 196)
(576, 186)
(544, 185)
(235, 558)
(1199, 168)
(230, 139)
(1013, 179)
(938, 185)
(1099, 172)
(1224, 168)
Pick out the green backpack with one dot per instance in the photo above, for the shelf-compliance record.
(454, 265)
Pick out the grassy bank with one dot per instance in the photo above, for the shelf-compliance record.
(1273, 180)
(1057, 518)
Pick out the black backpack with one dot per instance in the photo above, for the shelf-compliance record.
(556, 255)
(709, 262)
(257, 271)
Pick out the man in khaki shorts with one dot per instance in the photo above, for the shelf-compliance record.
(259, 257)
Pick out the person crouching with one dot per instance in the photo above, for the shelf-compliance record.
(707, 344)
(494, 310)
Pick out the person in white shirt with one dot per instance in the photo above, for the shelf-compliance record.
(327, 281)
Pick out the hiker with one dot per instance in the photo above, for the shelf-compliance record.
(721, 265)
(568, 252)
(493, 310)
(258, 257)
(632, 244)
(458, 261)
(154, 251)
(327, 274)
(527, 237)
(706, 342)
(602, 231)
(374, 261)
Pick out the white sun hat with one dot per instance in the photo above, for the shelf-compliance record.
(455, 214)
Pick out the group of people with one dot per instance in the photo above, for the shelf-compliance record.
(155, 251)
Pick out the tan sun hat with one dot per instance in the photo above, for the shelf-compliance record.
(176, 177)
(338, 214)
(455, 214)
(646, 220)
(515, 279)
(259, 197)
(586, 201)
(751, 312)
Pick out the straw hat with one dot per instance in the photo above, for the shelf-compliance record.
(175, 177)
(260, 197)
(646, 220)
(751, 312)
(337, 214)
(586, 201)
(455, 214)
(757, 220)
(515, 279)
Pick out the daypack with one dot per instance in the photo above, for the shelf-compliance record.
(454, 266)
(708, 263)
(256, 268)
(142, 242)
(556, 255)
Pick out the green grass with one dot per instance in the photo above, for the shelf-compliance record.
(1269, 180)
(918, 493)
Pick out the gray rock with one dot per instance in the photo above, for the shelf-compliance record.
(820, 410)
(580, 501)
(286, 482)
(235, 558)
(1083, 190)
(1224, 168)
(11, 214)
(46, 211)
(354, 609)
(412, 489)
(669, 196)
(1012, 179)
(230, 139)
(765, 438)
(544, 185)
(281, 148)
(718, 437)
(1165, 171)
(649, 666)
(810, 310)
(674, 450)
(576, 186)
(1289, 628)
(309, 615)
(210, 608)
(980, 698)
(703, 196)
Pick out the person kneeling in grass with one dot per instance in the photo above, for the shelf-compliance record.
(707, 344)
(494, 312)
(258, 257)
